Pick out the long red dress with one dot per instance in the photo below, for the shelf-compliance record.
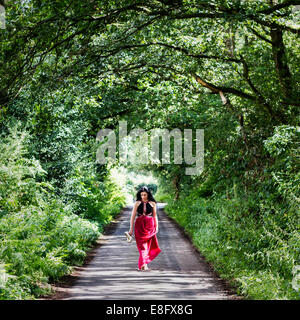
(145, 237)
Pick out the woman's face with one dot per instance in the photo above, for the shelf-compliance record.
(144, 195)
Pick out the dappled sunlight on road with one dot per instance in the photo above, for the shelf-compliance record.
(178, 272)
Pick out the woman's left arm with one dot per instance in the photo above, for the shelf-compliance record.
(155, 216)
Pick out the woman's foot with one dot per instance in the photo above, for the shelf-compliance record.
(145, 268)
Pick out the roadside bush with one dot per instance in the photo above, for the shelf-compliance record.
(41, 236)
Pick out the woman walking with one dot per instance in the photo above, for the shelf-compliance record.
(145, 227)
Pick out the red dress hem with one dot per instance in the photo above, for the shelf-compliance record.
(146, 239)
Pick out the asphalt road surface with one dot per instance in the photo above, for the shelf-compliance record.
(178, 272)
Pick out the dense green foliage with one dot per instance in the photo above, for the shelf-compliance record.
(70, 68)
(251, 238)
(42, 235)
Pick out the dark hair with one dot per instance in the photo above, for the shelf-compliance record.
(144, 189)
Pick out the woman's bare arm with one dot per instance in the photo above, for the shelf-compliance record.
(133, 214)
(155, 215)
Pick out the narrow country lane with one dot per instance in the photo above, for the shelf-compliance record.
(178, 272)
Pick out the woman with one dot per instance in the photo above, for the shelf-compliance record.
(145, 227)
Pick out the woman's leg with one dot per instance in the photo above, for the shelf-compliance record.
(144, 256)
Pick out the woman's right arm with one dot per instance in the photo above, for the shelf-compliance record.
(133, 214)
